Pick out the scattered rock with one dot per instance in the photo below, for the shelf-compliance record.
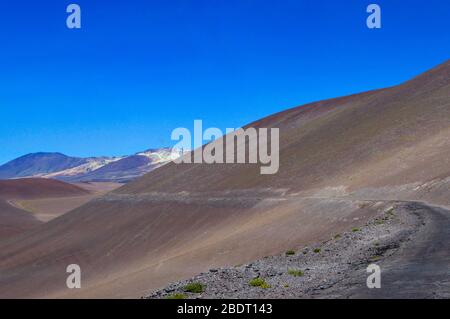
(338, 259)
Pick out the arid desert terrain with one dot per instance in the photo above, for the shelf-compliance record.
(344, 163)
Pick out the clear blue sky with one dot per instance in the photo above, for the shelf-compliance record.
(138, 69)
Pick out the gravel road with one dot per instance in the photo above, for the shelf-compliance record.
(408, 240)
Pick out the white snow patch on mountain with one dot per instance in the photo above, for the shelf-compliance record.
(93, 164)
(161, 156)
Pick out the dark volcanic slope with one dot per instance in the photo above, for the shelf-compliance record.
(33, 188)
(38, 163)
(180, 220)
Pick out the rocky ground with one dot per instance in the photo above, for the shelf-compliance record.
(319, 271)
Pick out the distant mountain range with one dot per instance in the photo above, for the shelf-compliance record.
(91, 169)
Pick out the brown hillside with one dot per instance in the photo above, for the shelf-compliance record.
(14, 221)
(31, 188)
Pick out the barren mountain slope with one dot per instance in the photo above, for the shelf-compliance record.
(14, 217)
(337, 142)
(49, 205)
(14, 221)
(183, 219)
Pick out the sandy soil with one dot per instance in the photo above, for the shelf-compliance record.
(99, 187)
(49, 208)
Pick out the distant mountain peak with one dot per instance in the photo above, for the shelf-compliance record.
(35, 164)
(104, 168)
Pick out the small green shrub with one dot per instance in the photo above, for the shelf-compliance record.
(356, 229)
(317, 250)
(337, 236)
(295, 272)
(286, 286)
(265, 286)
(375, 258)
(259, 282)
(290, 252)
(194, 287)
(176, 296)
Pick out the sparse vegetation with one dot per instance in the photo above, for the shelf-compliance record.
(355, 229)
(176, 296)
(290, 252)
(375, 258)
(295, 272)
(286, 286)
(337, 236)
(317, 250)
(390, 211)
(259, 282)
(194, 287)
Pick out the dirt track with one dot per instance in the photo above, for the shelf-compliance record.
(419, 269)
(410, 246)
